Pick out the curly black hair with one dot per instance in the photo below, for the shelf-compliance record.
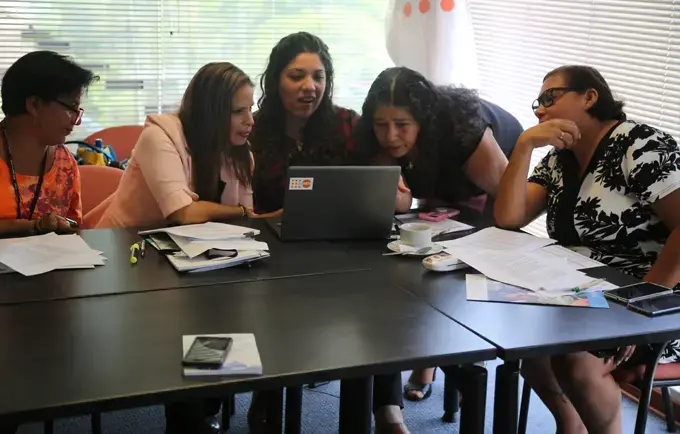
(321, 133)
(447, 116)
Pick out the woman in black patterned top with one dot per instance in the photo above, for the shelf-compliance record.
(611, 187)
(452, 146)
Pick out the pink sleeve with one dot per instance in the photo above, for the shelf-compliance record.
(162, 168)
(245, 192)
(245, 196)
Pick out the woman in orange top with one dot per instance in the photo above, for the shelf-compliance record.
(39, 182)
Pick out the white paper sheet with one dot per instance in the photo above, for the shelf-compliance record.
(243, 357)
(194, 248)
(206, 231)
(499, 239)
(531, 270)
(43, 253)
(574, 259)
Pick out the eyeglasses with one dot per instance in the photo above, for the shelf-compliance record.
(548, 97)
(78, 112)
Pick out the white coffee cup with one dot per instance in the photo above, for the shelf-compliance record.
(415, 234)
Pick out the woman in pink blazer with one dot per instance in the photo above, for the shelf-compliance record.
(193, 166)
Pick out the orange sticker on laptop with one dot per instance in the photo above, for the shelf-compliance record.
(301, 184)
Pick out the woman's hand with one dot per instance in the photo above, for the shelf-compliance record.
(559, 133)
(622, 355)
(253, 215)
(53, 223)
(401, 187)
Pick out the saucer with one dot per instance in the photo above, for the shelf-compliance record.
(395, 247)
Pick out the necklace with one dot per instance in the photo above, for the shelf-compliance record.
(13, 175)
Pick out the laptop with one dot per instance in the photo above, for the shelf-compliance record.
(338, 203)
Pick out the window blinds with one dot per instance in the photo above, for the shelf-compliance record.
(146, 51)
(635, 44)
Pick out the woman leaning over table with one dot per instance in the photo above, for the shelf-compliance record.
(297, 124)
(451, 146)
(39, 179)
(611, 186)
(193, 166)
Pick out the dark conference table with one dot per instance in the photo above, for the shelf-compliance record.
(519, 331)
(111, 352)
(516, 331)
(522, 331)
(154, 272)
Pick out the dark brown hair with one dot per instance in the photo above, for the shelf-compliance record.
(584, 78)
(269, 131)
(205, 114)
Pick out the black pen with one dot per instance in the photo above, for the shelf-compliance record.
(142, 250)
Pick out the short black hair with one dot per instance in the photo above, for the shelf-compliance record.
(43, 74)
(583, 78)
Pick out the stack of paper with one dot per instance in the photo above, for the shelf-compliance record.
(43, 253)
(183, 263)
(243, 357)
(519, 259)
(210, 246)
(499, 239)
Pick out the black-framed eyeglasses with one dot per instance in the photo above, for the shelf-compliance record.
(549, 98)
(78, 112)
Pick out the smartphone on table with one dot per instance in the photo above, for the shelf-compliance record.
(636, 292)
(657, 306)
(207, 352)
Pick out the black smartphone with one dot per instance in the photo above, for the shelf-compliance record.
(636, 292)
(657, 306)
(218, 253)
(207, 352)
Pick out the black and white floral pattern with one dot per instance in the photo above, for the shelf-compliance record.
(634, 166)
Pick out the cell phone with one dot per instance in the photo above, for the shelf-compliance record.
(207, 352)
(438, 215)
(636, 292)
(219, 253)
(657, 306)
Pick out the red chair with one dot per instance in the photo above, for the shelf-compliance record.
(122, 139)
(97, 184)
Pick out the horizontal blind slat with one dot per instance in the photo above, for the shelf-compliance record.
(147, 51)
